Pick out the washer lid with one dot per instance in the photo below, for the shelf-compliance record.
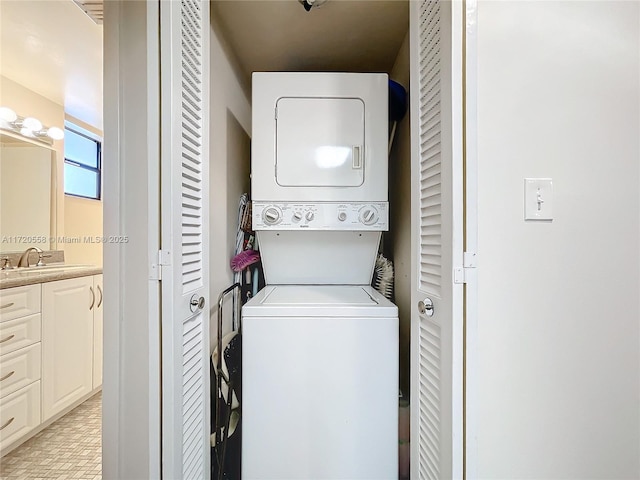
(319, 301)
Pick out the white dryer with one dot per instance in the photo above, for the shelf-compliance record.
(319, 137)
(319, 174)
(320, 383)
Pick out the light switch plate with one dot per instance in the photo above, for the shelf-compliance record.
(538, 199)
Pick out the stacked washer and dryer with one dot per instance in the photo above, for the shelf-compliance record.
(320, 345)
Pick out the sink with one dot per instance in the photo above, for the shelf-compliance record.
(42, 270)
(54, 267)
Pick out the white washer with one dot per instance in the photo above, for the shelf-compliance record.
(320, 383)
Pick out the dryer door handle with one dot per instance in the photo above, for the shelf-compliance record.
(356, 156)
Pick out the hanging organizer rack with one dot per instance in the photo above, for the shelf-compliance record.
(222, 430)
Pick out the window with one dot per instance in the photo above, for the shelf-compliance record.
(82, 162)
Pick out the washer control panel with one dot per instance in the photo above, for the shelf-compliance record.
(321, 216)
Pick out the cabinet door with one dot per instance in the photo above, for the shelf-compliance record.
(67, 342)
(97, 331)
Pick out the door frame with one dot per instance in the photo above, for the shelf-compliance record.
(126, 453)
(131, 382)
(470, 190)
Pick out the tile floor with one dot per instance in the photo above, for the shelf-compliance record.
(68, 449)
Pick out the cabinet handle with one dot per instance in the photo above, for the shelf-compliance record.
(7, 423)
(99, 301)
(7, 375)
(6, 305)
(6, 339)
(93, 298)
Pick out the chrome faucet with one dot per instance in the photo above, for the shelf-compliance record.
(24, 259)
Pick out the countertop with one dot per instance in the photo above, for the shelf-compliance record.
(19, 277)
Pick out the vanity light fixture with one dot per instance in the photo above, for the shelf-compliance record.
(55, 133)
(31, 123)
(7, 115)
(28, 126)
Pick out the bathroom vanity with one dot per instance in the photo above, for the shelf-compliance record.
(50, 346)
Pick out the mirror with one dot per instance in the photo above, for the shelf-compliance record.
(27, 195)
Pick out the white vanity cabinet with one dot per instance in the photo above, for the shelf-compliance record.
(20, 362)
(50, 353)
(67, 343)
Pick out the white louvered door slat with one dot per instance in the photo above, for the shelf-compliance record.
(184, 43)
(437, 214)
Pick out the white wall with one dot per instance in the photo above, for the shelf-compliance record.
(559, 302)
(229, 170)
(400, 216)
(82, 218)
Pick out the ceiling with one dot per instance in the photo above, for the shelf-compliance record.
(53, 48)
(341, 35)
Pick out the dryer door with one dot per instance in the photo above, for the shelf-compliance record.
(320, 142)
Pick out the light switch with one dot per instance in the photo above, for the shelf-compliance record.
(538, 199)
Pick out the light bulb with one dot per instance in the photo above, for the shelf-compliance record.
(55, 133)
(27, 132)
(32, 124)
(7, 114)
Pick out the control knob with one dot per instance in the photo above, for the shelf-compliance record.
(368, 215)
(272, 215)
(309, 216)
(342, 216)
(297, 216)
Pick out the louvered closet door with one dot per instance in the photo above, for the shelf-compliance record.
(437, 214)
(184, 53)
